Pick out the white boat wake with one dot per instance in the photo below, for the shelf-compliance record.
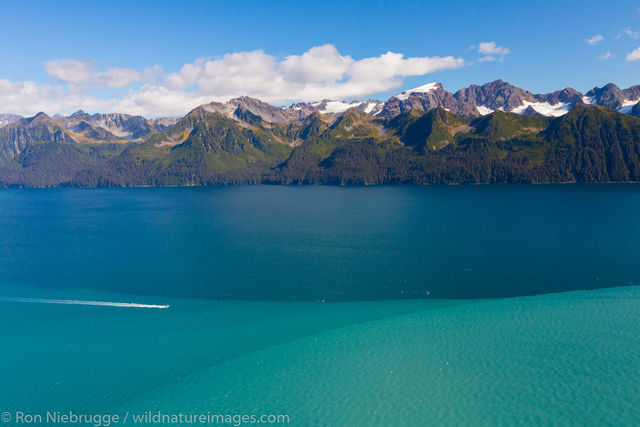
(81, 302)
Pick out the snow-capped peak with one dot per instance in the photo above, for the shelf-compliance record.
(420, 89)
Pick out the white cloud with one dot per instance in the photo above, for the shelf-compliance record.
(319, 73)
(595, 39)
(491, 51)
(83, 73)
(607, 55)
(628, 32)
(321, 63)
(491, 48)
(633, 56)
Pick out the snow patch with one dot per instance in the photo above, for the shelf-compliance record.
(588, 99)
(483, 110)
(370, 106)
(338, 107)
(544, 108)
(421, 89)
(629, 102)
(627, 105)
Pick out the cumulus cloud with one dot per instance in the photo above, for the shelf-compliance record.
(321, 63)
(607, 55)
(595, 39)
(319, 73)
(491, 51)
(633, 56)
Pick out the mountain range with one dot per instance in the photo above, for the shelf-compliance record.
(491, 133)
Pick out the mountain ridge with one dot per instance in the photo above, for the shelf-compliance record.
(472, 101)
(422, 135)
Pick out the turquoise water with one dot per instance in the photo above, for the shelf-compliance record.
(436, 307)
(569, 358)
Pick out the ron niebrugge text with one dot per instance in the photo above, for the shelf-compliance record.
(147, 417)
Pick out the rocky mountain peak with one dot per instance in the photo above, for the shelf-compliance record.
(79, 113)
(426, 97)
(566, 95)
(496, 95)
(610, 96)
(39, 119)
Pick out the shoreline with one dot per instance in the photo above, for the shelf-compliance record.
(469, 184)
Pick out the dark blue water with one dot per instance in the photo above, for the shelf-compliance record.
(331, 243)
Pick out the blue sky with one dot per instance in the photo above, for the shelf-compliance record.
(131, 56)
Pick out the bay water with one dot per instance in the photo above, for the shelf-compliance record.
(477, 305)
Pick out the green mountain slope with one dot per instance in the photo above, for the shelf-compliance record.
(589, 144)
(40, 128)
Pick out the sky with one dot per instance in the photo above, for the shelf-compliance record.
(162, 58)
